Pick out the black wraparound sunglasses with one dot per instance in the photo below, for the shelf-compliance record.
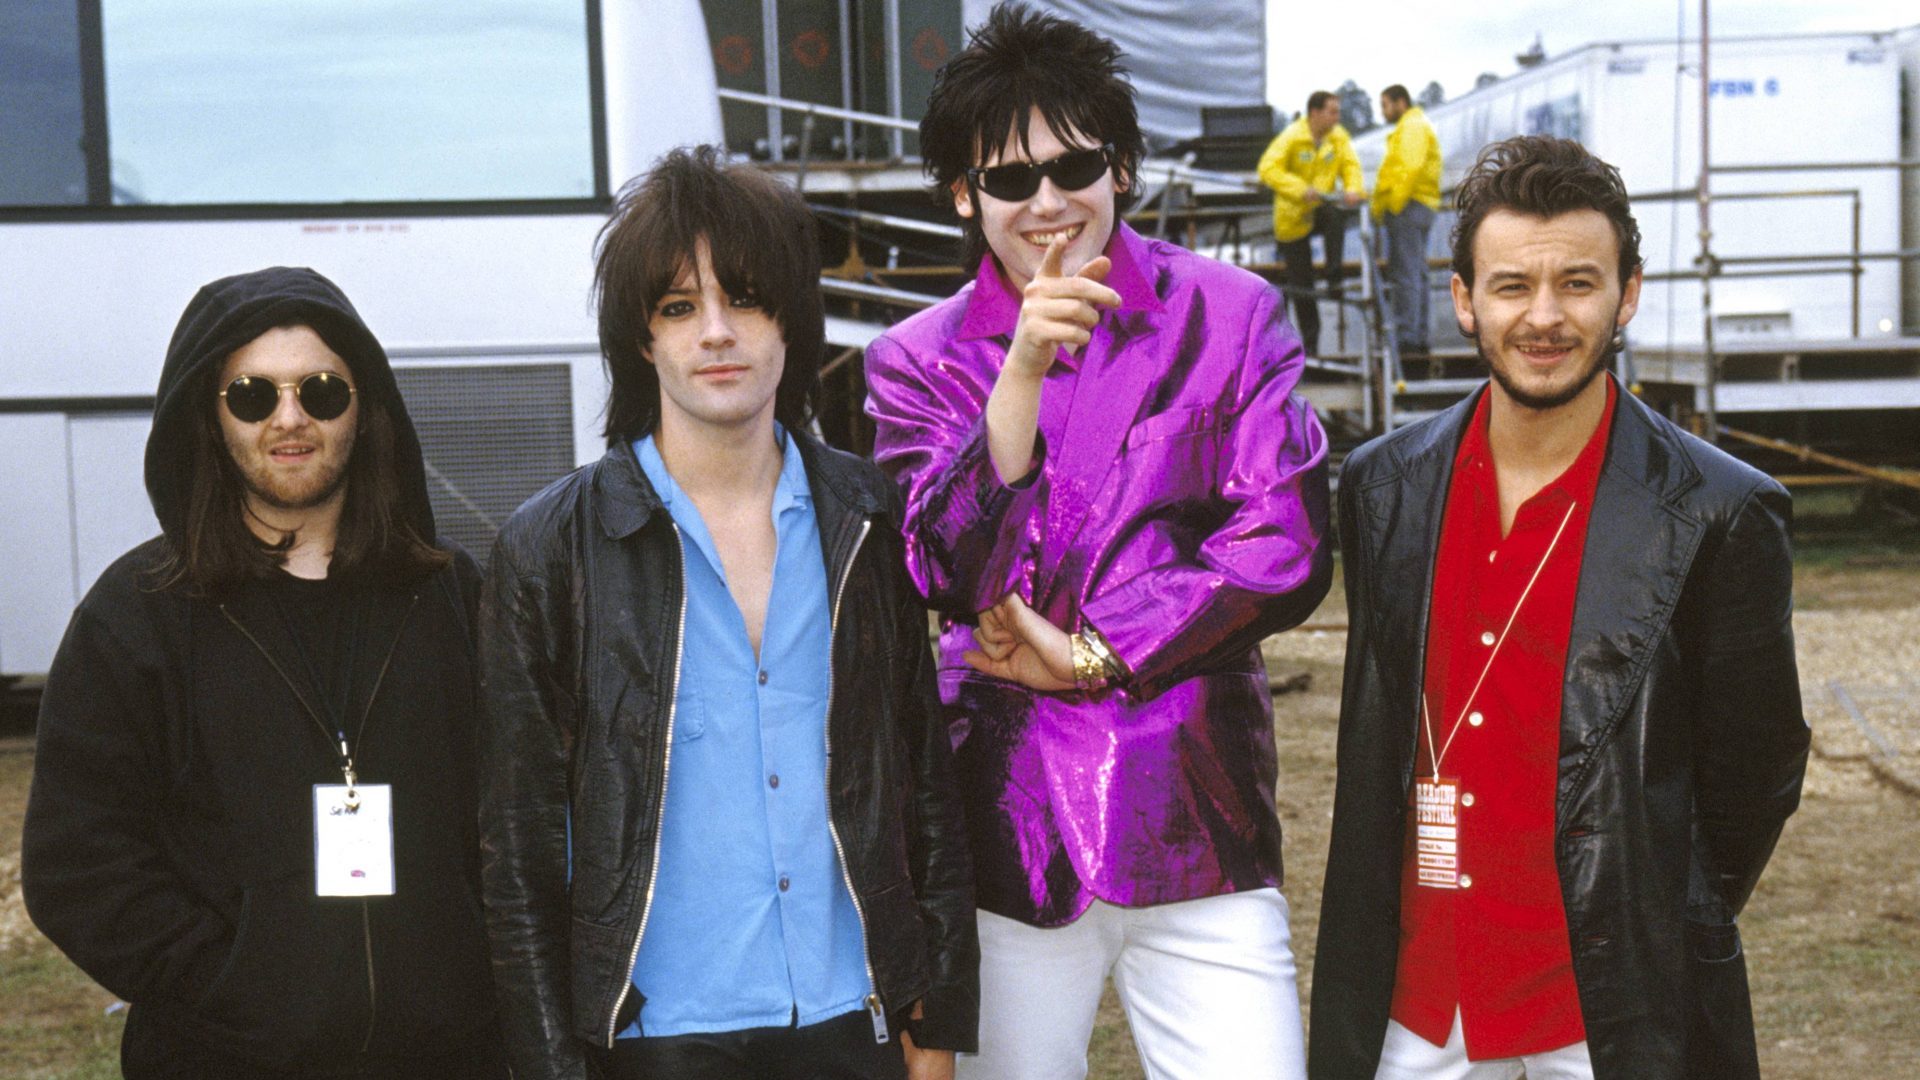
(1018, 181)
(322, 395)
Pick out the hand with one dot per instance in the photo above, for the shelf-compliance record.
(1354, 198)
(1057, 311)
(1019, 645)
(1312, 197)
(994, 637)
(925, 1064)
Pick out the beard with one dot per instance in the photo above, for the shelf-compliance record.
(312, 492)
(1596, 361)
(304, 490)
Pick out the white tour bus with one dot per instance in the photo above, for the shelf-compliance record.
(447, 164)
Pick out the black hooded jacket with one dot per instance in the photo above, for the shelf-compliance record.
(169, 841)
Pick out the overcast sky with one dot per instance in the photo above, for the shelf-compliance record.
(1318, 44)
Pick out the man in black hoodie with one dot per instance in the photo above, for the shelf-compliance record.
(253, 811)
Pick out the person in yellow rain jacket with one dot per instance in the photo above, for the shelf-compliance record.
(1406, 194)
(1301, 165)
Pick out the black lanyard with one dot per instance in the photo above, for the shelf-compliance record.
(336, 695)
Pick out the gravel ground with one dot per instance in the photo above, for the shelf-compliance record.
(1870, 660)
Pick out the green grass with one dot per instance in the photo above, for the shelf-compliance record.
(54, 1026)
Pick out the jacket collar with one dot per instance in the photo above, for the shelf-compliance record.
(624, 500)
(1626, 596)
(993, 307)
(1646, 452)
(1641, 451)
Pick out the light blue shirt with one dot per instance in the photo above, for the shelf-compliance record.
(752, 924)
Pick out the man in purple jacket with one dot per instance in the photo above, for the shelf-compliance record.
(1112, 495)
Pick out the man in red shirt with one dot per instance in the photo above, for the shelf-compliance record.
(1571, 726)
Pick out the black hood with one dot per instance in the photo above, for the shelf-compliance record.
(230, 313)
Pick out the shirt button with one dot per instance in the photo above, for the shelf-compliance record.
(1486, 638)
(784, 883)
(763, 678)
(1476, 719)
(1467, 799)
(1466, 881)
(773, 781)
(1491, 554)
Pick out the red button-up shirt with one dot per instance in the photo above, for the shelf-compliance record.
(1496, 947)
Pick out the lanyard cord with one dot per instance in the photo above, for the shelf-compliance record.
(336, 695)
(1439, 752)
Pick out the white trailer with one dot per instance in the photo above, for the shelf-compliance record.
(448, 166)
(1776, 101)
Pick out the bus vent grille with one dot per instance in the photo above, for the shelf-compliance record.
(492, 435)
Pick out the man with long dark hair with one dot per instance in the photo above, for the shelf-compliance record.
(253, 804)
(1112, 495)
(721, 833)
(1570, 731)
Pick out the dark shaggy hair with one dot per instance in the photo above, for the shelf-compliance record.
(1318, 100)
(217, 551)
(1542, 176)
(764, 244)
(985, 96)
(1397, 93)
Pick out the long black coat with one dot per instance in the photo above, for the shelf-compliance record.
(1682, 742)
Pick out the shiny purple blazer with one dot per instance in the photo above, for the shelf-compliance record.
(1179, 507)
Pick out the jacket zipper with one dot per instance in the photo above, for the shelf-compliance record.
(660, 812)
(366, 934)
(386, 662)
(875, 1007)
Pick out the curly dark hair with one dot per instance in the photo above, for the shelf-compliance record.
(1017, 61)
(764, 243)
(1542, 176)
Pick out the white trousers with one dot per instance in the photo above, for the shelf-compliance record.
(1406, 1056)
(1209, 988)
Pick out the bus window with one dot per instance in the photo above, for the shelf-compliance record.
(315, 101)
(41, 112)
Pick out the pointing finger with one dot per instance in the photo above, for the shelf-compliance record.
(1050, 262)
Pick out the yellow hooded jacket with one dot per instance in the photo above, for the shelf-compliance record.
(1292, 164)
(1411, 170)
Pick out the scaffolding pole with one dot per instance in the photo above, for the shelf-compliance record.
(1711, 363)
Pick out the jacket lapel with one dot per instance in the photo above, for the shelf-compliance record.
(1112, 386)
(1639, 548)
(1402, 514)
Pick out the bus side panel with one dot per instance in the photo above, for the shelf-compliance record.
(36, 540)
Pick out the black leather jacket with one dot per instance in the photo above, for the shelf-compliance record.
(580, 647)
(1682, 743)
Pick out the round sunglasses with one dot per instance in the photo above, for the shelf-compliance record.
(1018, 181)
(322, 395)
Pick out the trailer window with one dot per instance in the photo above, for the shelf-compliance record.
(42, 162)
(316, 101)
